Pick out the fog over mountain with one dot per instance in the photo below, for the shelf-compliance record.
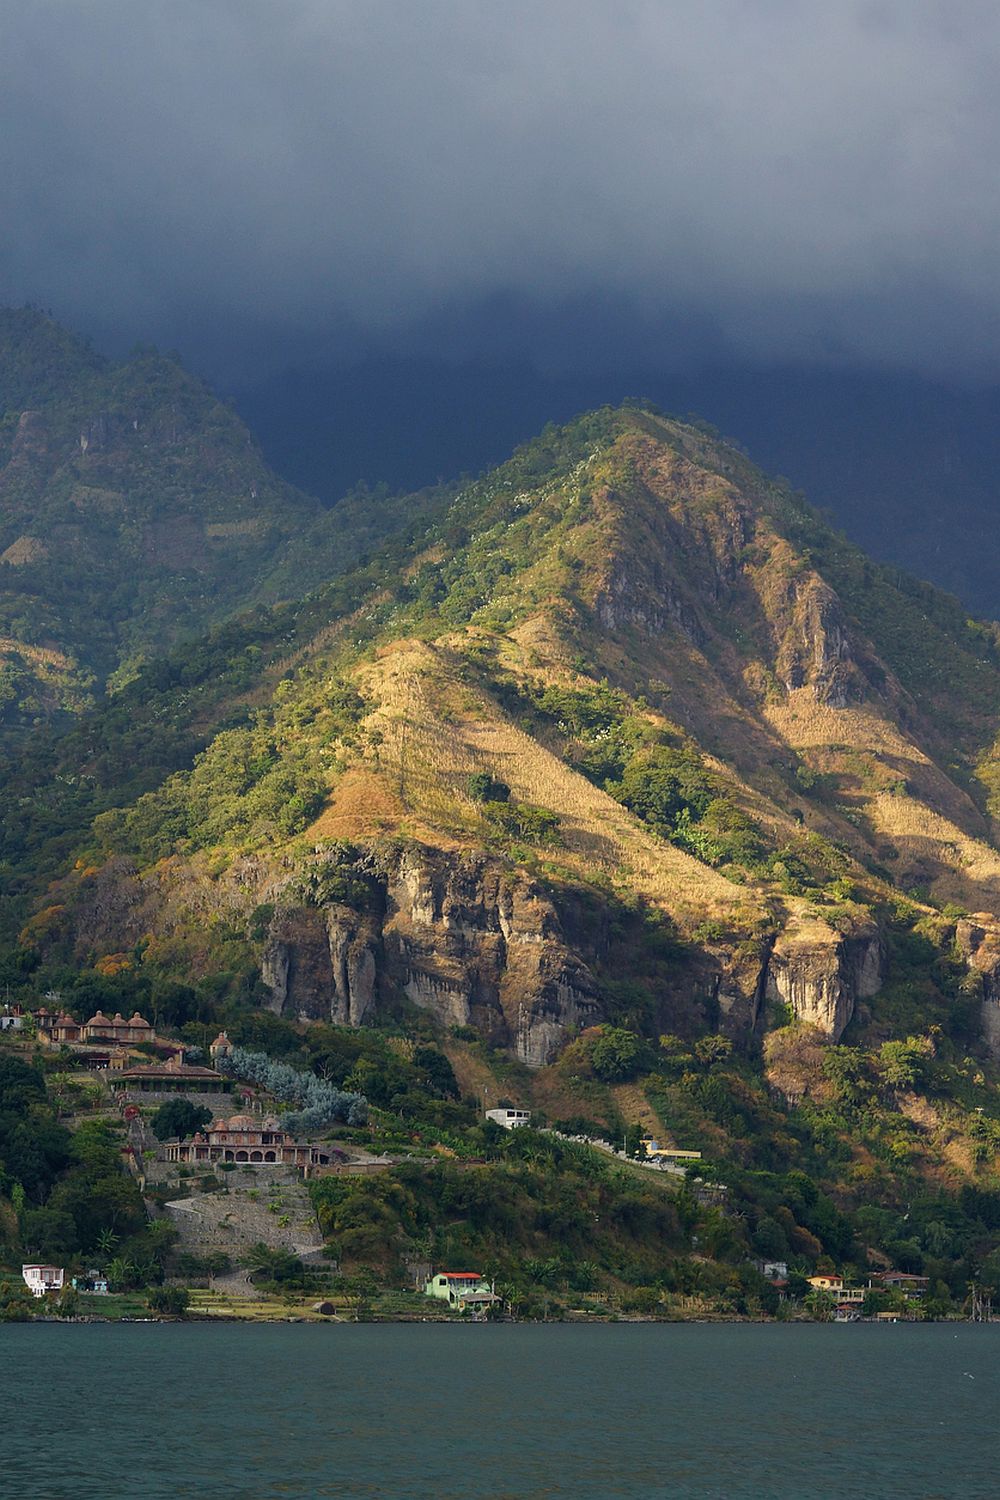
(405, 237)
(571, 184)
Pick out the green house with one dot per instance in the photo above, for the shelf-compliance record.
(461, 1289)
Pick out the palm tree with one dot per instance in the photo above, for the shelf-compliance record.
(120, 1273)
(106, 1241)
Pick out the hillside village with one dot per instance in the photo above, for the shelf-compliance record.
(237, 1201)
(613, 789)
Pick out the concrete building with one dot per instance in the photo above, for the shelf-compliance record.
(94, 1282)
(901, 1281)
(42, 1279)
(11, 1018)
(252, 1140)
(466, 1290)
(509, 1119)
(833, 1284)
(773, 1270)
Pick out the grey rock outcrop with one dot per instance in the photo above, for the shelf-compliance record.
(821, 974)
(464, 937)
(978, 940)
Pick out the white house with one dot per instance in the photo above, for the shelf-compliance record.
(11, 1018)
(773, 1270)
(42, 1279)
(510, 1119)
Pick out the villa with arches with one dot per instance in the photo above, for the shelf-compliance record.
(250, 1140)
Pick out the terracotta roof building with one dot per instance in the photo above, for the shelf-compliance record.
(64, 1029)
(102, 1028)
(171, 1077)
(254, 1140)
(221, 1047)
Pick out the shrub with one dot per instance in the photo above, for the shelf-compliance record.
(180, 1118)
(170, 1300)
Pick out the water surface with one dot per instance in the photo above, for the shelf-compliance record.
(431, 1412)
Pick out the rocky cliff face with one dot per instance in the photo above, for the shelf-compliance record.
(821, 974)
(978, 940)
(476, 943)
(464, 937)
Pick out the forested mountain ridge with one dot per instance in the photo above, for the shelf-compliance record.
(618, 774)
(655, 626)
(135, 511)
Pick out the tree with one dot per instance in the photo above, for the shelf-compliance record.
(359, 1291)
(770, 1240)
(179, 1117)
(121, 1274)
(17, 1305)
(319, 1103)
(170, 1300)
(438, 1074)
(48, 1232)
(616, 1055)
(279, 1266)
(904, 1065)
(482, 787)
(68, 1305)
(820, 1305)
(713, 1049)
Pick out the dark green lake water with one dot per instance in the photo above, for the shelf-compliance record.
(509, 1413)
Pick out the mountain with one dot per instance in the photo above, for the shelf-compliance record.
(135, 511)
(888, 455)
(624, 782)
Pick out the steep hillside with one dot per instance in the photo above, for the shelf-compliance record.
(625, 663)
(618, 778)
(135, 511)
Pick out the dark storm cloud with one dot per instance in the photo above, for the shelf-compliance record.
(767, 178)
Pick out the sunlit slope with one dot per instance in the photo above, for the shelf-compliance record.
(627, 663)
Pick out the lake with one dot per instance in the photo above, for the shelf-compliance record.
(611, 1412)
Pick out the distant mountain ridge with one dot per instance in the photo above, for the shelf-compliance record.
(135, 511)
(907, 467)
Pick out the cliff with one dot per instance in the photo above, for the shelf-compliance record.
(626, 672)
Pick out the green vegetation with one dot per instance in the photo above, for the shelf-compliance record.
(539, 1215)
(63, 1194)
(627, 596)
(172, 1301)
(178, 1119)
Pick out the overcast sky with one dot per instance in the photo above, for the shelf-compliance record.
(578, 180)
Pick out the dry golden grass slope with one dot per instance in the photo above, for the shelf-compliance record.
(430, 731)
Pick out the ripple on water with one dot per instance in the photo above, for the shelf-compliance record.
(167, 1412)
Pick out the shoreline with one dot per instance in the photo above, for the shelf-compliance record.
(578, 1322)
